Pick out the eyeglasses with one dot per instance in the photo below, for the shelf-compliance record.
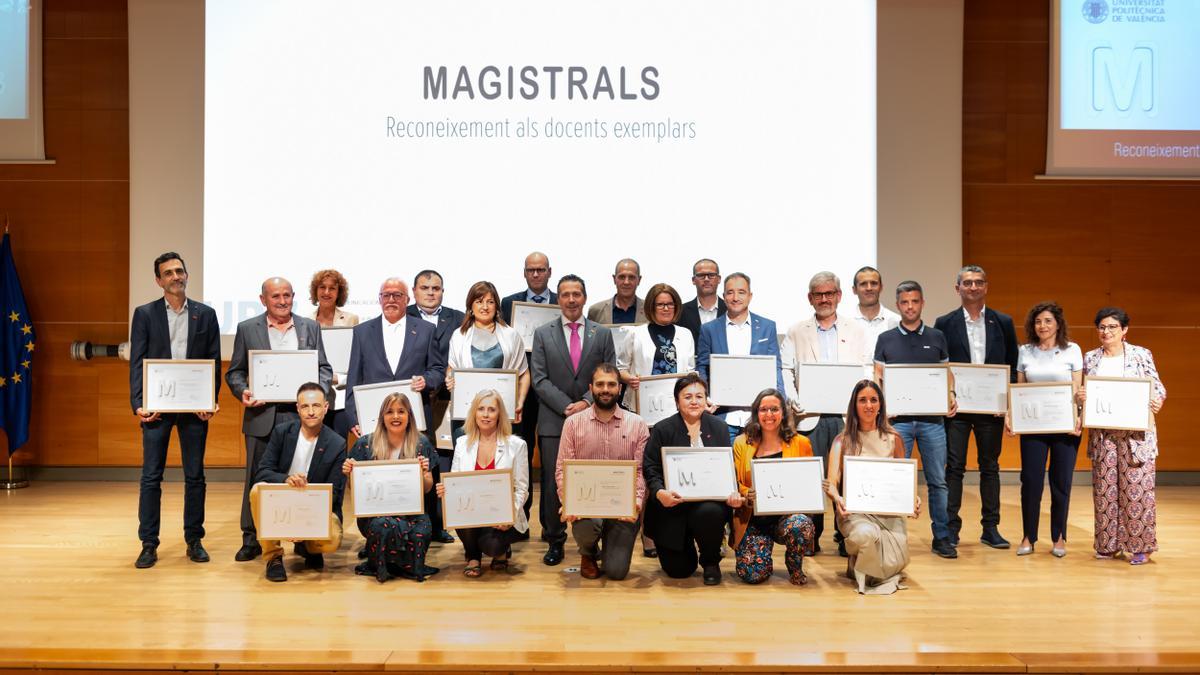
(707, 275)
(972, 283)
(393, 296)
(1109, 328)
(664, 305)
(770, 411)
(536, 270)
(827, 295)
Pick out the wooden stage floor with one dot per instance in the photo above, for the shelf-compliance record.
(73, 600)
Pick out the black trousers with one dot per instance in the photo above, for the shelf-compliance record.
(1062, 450)
(706, 528)
(821, 438)
(490, 541)
(989, 435)
(156, 438)
(554, 530)
(527, 430)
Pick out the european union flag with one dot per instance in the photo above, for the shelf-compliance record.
(16, 353)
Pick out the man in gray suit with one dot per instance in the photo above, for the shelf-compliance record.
(565, 352)
(625, 306)
(278, 329)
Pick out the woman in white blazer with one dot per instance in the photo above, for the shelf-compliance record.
(485, 341)
(490, 444)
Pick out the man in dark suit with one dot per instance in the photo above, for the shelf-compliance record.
(977, 334)
(300, 452)
(707, 305)
(279, 329)
(537, 273)
(172, 328)
(564, 354)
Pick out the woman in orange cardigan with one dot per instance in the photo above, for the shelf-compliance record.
(770, 433)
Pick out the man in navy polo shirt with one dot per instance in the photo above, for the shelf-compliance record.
(914, 342)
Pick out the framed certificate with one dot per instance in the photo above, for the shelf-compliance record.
(387, 488)
(786, 486)
(654, 399)
(185, 385)
(622, 333)
(880, 486)
(825, 388)
(916, 389)
(477, 499)
(599, 488)
(275, 376)
(470, 381)
(700, 474)
(528, 316)
(1117, 403)
(981, 388)
(368, 398)
(336, 341)
(286, 512)
(736, 380)
(1042, 408)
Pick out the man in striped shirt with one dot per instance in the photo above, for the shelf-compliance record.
(604, 431)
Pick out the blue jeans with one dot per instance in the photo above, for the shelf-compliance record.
(929, 433)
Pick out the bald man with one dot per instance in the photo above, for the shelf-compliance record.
(625, 306)
(277, 329)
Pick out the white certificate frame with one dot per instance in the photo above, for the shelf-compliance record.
(975, 384)
(198, 372)
(735, 380)
(899, 380)
(373, 394)
(1130, 416)
(769, 499)
(288, 369)
(1027, 401)
(529, 316)
(390, 472)
(648, 398)
(873, 469)
(818, 386)
(622, 333)
(306, 502)
(582, 475)
(716, 464)
(493, 482)
(336, 340)
(475, 380)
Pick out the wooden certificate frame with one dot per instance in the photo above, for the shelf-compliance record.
(981, 367)
(1014, 393)
(671, 485)
(908, 368)
(456, 398)
(478, 475)
(368, 465)
(1089, 406)
(849, 460)
(574, 467)
(206, 364)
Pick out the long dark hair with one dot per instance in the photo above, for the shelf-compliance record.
(787, 426)
(850, 444)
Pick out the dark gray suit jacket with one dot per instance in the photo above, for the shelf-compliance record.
(150, 338)
(556, 384)
(369, 364)
(252, 334)
(325, 466)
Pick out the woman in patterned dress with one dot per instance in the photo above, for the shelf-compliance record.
(1123, 462)
(396, 545)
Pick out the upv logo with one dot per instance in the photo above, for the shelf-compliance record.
(1123, 81)
(1095, 11)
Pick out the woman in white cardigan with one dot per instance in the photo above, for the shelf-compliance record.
(485, 341)
(490, 444)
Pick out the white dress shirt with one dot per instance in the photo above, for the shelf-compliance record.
(737, 336)
(885, 320)
(431, 317)
(707, 315)
(177, 328)
(566, 324)
(303, 455)
(827, 339)
(976, 335)
(393, 341)
(544, 295)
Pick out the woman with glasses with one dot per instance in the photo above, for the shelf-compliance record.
(1123, 462)
(658, 347)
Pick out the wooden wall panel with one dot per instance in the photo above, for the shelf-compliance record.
(1083, 243)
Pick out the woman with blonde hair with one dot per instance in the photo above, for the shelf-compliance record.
(396, 545)
(489, 444)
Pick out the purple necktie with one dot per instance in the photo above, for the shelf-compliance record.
(576, 346)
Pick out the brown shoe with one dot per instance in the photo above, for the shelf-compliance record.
(588, 568)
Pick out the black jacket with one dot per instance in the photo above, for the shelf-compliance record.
(668, 527)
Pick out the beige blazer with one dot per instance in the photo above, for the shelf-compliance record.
(601, 312)
(800, 345)
(340, 318)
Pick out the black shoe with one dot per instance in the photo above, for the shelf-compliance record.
(443, 537)
(247, 552)
(712, 575)
(362, 552)
(554, 556)
(944, 548)
(842, 549)
(275, 569)
(991, 537)
(147, 557)
(314, 561)
(523, 536)
(953, 539)
(196, 552)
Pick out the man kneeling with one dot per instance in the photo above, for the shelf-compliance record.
(299, 453)
(604, 431)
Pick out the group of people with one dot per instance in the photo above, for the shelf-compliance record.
(575, 390)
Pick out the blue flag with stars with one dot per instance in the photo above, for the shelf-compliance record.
(16, 353)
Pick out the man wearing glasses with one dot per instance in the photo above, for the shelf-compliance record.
(822, 338)
(707, 305)
(977, 334)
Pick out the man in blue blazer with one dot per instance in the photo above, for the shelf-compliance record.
(279, 329)
(988, 338)
(738, 332)
(300, 452)
(172, 327)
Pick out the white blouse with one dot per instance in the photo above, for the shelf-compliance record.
(1049, 365)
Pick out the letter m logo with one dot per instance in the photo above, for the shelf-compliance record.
(1122, 83)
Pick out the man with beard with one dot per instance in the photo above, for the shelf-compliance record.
(604, 431)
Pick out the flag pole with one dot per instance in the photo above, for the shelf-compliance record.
(11, 484)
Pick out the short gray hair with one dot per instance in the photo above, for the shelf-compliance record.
(824, 278)
(908, 287)
(969, 269)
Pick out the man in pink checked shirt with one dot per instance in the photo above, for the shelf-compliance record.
(604, 431)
